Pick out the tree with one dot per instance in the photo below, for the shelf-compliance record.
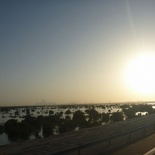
(12, 128)
(27, 111)
(16, 113)
(94, 116)
(67, 117)
(117, 116)
(79, 118)
(105, 117)
(26, 129)
(66, 126)
(47, 128)
(51, 112)
(68, 112)
(130, 113)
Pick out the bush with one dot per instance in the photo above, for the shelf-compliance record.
(117, 116)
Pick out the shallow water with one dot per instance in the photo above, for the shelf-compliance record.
(4, 139)
(44, 111)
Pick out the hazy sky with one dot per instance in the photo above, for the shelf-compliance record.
(68, 51)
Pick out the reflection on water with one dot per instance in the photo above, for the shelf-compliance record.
(19, 113)
(4, 139)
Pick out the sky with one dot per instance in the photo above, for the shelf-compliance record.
(69, 51)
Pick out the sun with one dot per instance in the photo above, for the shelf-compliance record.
(140, 74)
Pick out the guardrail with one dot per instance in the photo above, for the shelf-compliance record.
(151, 152)
(125, 138)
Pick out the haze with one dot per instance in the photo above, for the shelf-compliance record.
(72, 51)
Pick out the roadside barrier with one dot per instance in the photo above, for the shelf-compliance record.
(151, 152)
(112, 143)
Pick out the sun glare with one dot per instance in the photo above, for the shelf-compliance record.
(140, 74)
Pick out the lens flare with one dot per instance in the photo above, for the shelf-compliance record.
(140, 74)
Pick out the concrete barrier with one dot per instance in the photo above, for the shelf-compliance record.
(151, 152)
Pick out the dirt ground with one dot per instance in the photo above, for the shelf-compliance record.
(138, 148)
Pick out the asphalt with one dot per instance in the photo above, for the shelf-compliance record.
(139, 148)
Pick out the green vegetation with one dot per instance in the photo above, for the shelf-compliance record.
(72, 118)
(117, 116)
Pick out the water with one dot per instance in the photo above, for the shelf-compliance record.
(21, 112)
(44, 111)
(4, 139)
